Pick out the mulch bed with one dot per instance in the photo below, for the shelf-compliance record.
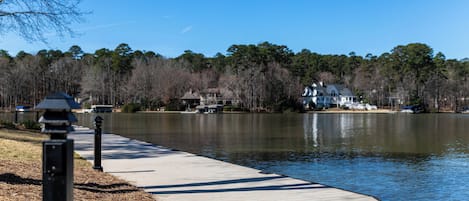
(21, 178)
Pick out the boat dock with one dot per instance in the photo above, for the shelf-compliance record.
(180, 176)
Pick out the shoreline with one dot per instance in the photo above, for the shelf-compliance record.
(327, 111)
(378, 111)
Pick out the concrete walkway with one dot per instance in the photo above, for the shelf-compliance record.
(180, 176)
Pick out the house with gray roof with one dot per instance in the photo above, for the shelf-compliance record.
(191, 99)
(211, 100)
(320, 96)
(340, 95)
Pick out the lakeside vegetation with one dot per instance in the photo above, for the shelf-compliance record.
(263, 77)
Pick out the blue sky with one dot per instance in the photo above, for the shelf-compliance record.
(208, 26)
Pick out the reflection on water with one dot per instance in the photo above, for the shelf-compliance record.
(393, 157)
(310, 128)
(383, 134)
(21, 116)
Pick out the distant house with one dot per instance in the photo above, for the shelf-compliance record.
(221, 96)
(340, 95)
(209, 100)
(319, 96)
(191, 99)
(211, 96)
(316, 97)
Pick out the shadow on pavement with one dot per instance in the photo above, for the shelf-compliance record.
(122, 148)
(158, 189)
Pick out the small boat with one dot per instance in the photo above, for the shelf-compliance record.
(209, 109)
(101, 108)
(412, 109)
(464, 110)
(22, 108)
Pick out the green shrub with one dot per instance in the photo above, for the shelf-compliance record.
(131, 108)
(7, 124)
(232, 108)
(33, 125)
(86, 105)
(174, 105)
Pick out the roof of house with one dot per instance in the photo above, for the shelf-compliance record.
(319, 89)
(190, 96)
(344, 91)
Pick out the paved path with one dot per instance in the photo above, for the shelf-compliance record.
(180, 176)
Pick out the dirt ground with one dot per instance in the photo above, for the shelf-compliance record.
(21, 173)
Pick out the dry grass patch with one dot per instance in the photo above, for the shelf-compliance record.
(21, 173)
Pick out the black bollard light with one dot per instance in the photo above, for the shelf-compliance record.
(16, 116)
(97, 143)
(57, 155)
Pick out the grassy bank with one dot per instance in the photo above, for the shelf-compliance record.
(21, 173)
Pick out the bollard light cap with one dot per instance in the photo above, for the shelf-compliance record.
(58, 101)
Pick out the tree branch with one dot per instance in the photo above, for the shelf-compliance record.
(34, 19)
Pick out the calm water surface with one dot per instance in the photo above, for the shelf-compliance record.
(389, 156)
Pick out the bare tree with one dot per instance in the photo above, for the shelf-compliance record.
(34, 19)
(249, 83)
(174, 80)
(19, 83)
(231, 83)
(263, 88)
(158, 80)
(5, 85)
(205, 79)
(66, 73)
(140, 83)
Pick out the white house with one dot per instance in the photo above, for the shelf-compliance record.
(340, 95)
(316, 96)
(325, 96)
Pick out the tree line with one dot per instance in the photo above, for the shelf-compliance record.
(262, 77)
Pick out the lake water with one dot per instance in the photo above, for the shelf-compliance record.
(389, 156)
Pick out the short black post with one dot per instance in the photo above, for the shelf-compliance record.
(97, 143)
(16, 116)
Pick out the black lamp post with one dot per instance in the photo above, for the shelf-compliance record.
(57, 155)
(97, 143)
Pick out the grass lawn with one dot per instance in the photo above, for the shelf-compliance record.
(21, 173)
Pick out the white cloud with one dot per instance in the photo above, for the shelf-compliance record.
(187, 29)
